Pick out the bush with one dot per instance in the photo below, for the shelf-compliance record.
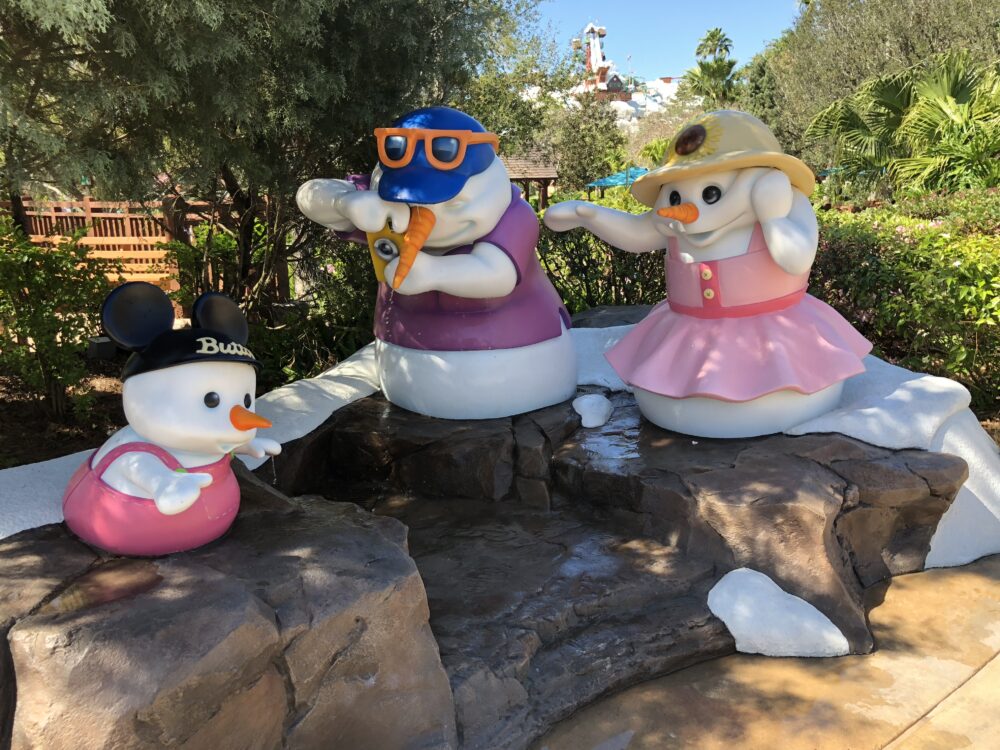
(970, 212)
(927, 297)
(50, 303)
(588, 272)
(331, 320)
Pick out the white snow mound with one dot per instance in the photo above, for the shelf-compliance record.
(765, 619)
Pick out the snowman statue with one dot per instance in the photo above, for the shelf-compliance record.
(163, 483)
(467, 324)
(739, 348)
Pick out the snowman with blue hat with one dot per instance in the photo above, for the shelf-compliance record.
(467, 324)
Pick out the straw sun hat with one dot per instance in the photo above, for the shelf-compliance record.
(717, 142)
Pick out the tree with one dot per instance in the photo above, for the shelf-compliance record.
(586, 139)
(516, 89)
(836, 45)
(715, 44)
(712, 77)
(230, 102)
(934, 126)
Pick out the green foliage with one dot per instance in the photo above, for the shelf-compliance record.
(209, 264)
(50, 303)
(935, 126)
(332, 317)
(588, 272)
(231, 102)
(926, 296)
(971, 212)
(836, 45)
(712, 77)
(511, 91)
(586, 141)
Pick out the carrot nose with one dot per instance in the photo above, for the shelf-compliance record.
(422, 221)
(244, 419)
(685, 213)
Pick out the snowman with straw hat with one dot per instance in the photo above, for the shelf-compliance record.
(739, 348)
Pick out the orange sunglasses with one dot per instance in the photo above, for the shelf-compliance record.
(445, 149)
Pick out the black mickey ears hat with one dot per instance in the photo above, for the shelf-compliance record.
(140, 318)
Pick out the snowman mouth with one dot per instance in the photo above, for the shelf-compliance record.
(701, 239)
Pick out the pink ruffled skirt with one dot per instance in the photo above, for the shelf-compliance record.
(804, 348)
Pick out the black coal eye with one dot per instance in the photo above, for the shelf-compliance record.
(711, 194)
(445, 149)
(212, 399)
(395, 147)
(247, 401)
(675, 198)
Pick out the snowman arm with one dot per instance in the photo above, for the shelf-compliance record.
(792, 239)
(172, 491)
(633, 233)
(484, 273)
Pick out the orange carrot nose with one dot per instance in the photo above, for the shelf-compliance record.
(422, 221)
(244, 419)
(685, 213)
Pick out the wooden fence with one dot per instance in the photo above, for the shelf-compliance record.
(127, 233)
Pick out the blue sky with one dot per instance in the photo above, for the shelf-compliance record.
(661, 35)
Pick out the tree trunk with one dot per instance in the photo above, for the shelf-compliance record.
(19, 213)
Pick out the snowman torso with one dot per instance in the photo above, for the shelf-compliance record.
(440, 322)
(730, 285)
(457, 357)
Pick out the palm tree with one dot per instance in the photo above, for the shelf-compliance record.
(714, 44)
(712, 77)
(935, 126)
(713, 81)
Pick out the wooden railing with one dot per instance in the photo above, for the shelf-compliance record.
(128, 233)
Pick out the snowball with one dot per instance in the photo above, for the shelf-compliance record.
(594, 409)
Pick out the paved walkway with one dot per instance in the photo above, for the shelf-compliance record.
(933, 683)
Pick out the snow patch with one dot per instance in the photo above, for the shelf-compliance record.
(299, 408)
(765, 619)
(31, 495)
(592, 367)
(594, 409)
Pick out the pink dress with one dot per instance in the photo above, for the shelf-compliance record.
(736, 329)
(128, 525)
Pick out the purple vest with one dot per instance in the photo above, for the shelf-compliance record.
(531, 313)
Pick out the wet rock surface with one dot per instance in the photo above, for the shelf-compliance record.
(378, 447)
(586, 566)
(305, 627)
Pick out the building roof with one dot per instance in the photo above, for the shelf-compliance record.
(531, 165)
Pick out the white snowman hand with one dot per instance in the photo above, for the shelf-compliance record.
(369, 213)
(259, 447)
(420, 279)
(567, 215)
(317, 199)
(179, 492)
(771, 196)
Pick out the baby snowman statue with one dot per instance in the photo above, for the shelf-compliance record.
(739, 348)
(163, 483)
(467, 324)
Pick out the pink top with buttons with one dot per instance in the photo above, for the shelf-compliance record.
(748, 284)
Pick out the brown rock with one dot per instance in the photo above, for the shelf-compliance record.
(822, 515)
(537, 613)
(306, 624)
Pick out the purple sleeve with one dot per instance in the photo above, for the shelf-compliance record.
(517, 234)
(355, 235)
